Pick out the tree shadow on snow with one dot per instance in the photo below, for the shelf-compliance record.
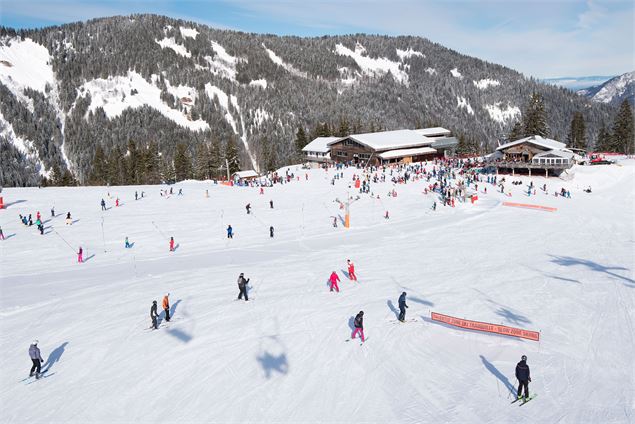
(54, 356)
(491, 368)
(418, 300)
(392, 308)
(512, 317)
(271, 363)
(593, 266)
(15, 202)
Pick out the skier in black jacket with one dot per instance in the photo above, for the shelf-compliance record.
(523, 376)
(402, 307)
(359, 325)
(154, 315)
(242, 286)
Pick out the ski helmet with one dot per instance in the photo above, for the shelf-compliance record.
(524, 358)
(34, 342)
(154, 302)
(361, 312)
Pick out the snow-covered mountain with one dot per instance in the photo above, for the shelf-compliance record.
(153, 79)
(578, 83)
(613, 91)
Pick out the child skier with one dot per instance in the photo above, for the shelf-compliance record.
(103, 205)
(271, 232)
(522, 374)
(248, 207)
(271, 204)
(230, 232)
(127, 245)
(53, 212)
(36, 358)
(351, 270)
(242, 286)
(402, 307)
(334, 278)
(80, 255)
(166, 307)
(359, 325)
(171, 244)
(69, 220)
(154, 315)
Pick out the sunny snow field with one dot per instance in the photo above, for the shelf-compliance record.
(282, 356)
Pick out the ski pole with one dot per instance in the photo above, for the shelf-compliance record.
(58, 234)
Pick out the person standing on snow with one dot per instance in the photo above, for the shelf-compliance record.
(248, 207)
(359, 325)
(271, 232)
(523, 376)
(271, 204)
(69, 220)
(230, 232)
(154, 315)
(242, 286)
(171, 244)
(334, 278)
(1, 234)
(80, 255)
(103, 205)
(402, 307)
(166, 307)
(53, 212)
(136, 195)
(36, 357)
(351, 270)
(127, 245)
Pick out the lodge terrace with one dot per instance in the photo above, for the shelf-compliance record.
(379, 148)
(534, 153)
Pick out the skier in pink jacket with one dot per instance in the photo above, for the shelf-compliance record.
(334, 279)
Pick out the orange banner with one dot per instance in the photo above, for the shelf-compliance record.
(528, 206)
(484, 326)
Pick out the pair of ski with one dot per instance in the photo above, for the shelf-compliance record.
(32, 379)
(404, 321)
(361, 343)
(524, 400)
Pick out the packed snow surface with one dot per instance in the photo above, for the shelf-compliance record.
(283, 356)
(372, 66)
(486, 82)
(115, 94)
(502, 115)
(171, 43)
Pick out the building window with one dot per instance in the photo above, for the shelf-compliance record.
(365, 156)
(342, 154)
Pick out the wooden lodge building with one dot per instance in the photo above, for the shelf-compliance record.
(386, 147)
(535, 153)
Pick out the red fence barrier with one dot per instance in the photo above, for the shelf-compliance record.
(484, 326)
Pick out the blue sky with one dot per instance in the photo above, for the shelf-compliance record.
(539, 38)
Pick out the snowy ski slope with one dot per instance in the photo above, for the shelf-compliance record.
(282, 356)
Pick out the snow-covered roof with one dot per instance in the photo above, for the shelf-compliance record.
(547, 143)
(387, 140)
(246, 174)
(432, 132)
(391, 154)
(320, 144)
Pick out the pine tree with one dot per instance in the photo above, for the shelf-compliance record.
(201, 162)
(215, 159)
(268, 155)
(231, 156)
(152, 164)
(115, 167)
(300, 139)
(67, 179)
(56, 176)
(577, 137)
(182, 163)
(168, 174)
(467, 145)
(516, 132)
(344, 129)
(623, 132)
(324, 130)
(99, 173)
(604, 141)
(535, 118)
(130, 164)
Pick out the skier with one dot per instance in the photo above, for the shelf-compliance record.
(1, 234)
(271, 232)
(230, 232)
(334, 278)
(53, 212)
(36, 357)
(166, 307)
(30, 221)
(386, 216)
(206, 194)
(41, 228)
(351, 270)
(69, 220)
(262, 190)
(248, 207)
(103, 205)
(180, 192)
(359, 325)
(127, 245)
(117, 202)
(80, 255)
(136, 195)
(434, 206)
(271, 204)
(402, 307)
(38, 216)
(242, 286)
(335, 221)
(522, 374)
(171, 244)
(154, 315)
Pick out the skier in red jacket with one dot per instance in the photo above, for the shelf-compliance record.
(334, 278)
(171, 244)
(351, 270)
